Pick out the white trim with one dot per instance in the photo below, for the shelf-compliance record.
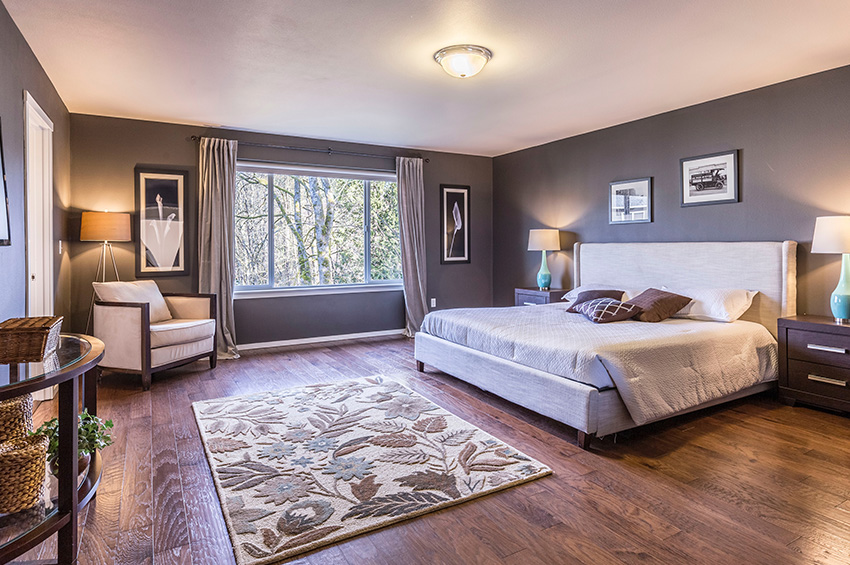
(318, 339)
(249, 293)
(318, 171)
(38, 147)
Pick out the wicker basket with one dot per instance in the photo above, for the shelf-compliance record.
(22, 463)
(15, 417)
(27, 340)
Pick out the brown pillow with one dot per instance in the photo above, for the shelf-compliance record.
(602, 310)
(593, 295)
(658, 304)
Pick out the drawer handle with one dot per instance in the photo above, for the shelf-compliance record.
(529, 304)
(827, 348)
(827, 380)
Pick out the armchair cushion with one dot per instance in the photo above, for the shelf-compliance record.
(174, 332)
(135, 291)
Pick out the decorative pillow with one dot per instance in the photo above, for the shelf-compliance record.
(602, 310)
(716, 304)
(657, 304)
(594, 294)
(573, 294)
(136, 291)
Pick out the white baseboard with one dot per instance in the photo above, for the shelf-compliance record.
(318, 339)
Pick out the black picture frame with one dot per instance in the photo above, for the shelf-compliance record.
(454, 211)
(160, 206)
(630, 201)
(5, 224)
(709, 179)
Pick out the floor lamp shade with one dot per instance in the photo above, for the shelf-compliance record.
(544, 240)
(832, 235)
(105, 226)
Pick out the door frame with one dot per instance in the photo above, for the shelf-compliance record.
(38, 157)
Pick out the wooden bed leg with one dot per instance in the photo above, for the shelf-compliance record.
(584, 439)
(420, 366)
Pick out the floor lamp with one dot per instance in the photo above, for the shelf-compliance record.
(105, 227)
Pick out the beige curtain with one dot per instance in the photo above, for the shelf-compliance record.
(215, 234)
(411, 204)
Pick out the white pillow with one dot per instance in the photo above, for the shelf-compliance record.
(573, 294)
(136, 291)
(715, 304)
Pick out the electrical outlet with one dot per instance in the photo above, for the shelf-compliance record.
(433, 303)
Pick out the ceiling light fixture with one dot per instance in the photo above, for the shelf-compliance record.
(463, 61)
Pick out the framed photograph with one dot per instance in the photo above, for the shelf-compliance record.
(5, 228)
(454, 206)
(630, 201)
(161, 206)
(709, 179)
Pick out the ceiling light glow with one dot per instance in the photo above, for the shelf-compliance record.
(463, 61)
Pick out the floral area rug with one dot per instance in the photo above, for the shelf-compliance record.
(301, 468)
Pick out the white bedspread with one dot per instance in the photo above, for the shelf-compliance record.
(658, 369)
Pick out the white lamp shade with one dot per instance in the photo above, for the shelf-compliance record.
(544, 240)
(832, 235)
(463, 61)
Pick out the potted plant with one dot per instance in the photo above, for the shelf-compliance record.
(92, 434)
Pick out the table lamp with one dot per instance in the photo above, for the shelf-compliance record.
(105, 227)
(544, 240)
(832, 235)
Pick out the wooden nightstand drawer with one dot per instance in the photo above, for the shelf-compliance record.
(816, 347)
(822, 380)
(523, 299)
(533, 296)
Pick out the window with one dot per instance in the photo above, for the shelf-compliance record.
(307, 227)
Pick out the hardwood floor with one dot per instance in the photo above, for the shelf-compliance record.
(748, 482)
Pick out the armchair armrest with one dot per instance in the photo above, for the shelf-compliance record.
(124, 327)
(191, 306)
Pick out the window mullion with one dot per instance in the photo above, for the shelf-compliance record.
(367, 229)
(271, 230)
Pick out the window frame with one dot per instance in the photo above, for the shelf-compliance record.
(369, 285)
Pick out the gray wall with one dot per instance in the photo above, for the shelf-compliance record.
(19, 71)
(106, 150)
(794, 141)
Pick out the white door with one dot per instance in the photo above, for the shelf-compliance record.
(39, 191)
(38, 142)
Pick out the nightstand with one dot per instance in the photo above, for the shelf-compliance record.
(814, 362)
(534, 296)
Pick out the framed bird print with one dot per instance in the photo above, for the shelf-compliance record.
(454, 207)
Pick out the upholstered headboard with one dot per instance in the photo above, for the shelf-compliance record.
(767, 266)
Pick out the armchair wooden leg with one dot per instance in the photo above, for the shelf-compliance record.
(213, 359)
(420, 366)
(146, 381)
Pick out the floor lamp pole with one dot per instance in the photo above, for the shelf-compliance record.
(101, 274)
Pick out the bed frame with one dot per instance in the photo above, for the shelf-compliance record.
(769, 267)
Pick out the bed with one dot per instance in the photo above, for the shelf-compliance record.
(602, 379)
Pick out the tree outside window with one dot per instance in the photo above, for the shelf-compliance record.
(296, 230)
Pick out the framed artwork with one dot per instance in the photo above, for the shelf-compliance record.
(5, 228)
(709, 179)
(161, 207)
(630, 201)
(454, 207)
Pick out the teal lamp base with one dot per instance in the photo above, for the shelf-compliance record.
(544, 277)
(840, 301)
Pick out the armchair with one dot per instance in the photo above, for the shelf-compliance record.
(136, 345)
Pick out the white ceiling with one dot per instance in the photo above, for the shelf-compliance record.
(363, 70)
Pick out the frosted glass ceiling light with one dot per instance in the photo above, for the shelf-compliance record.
(463, 61)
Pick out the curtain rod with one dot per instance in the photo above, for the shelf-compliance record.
(329, 150)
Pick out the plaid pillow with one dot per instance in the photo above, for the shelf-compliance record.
(602, 310)
(593, 294)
